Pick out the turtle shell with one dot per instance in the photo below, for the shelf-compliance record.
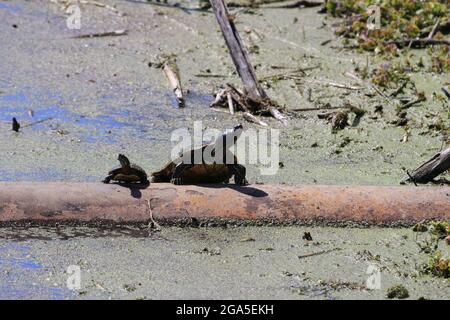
(133, 173)
(199, 173)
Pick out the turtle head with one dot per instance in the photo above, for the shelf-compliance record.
(230, 136)
(124, 162)
(235, 132)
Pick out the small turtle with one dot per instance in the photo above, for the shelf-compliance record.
(127, 172)
(194, 167)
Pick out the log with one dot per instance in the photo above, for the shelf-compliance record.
(438, 164)
(99, 204)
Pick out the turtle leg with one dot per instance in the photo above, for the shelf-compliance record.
(239, 172)
(179, 169)
(107, 179)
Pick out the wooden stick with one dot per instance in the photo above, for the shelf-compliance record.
(171, 71)
(433, 31)
(230, 103)
(251, 118)
(438, 164)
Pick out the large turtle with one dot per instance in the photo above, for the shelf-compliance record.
(192, 167)
(127, 172)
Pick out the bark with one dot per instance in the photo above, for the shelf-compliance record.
(438, 164)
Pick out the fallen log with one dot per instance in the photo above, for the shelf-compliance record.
(98, 204)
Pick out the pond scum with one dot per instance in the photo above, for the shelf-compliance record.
(389, 26)
(399, 20)
(438, 265)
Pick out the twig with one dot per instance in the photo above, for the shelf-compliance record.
(417, 43)
(251, 118)
(433, 31)
(325, 107)
(413, 102)
(115, 33)
(153, 225)
(36, 122)
(171, 71)
(318, 253)
(207, 75)
(230, 103)
(342, 86)
(299, 4)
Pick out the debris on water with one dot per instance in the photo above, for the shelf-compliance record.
(15, 125)
(211, 252)
(397, 291)
(114, 33)
(253, 98)
(420, 227)
(338, 119)
(307, 236)
(168, 63)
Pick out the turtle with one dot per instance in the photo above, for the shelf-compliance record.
(191, 167)
(127, 172)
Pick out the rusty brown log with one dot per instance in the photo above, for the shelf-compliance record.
(25, 203)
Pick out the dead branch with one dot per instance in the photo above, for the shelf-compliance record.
(254, 98)
(438, 164)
